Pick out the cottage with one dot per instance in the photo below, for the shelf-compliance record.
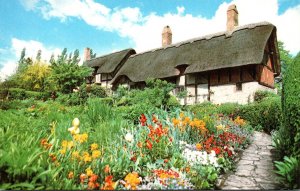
(223, 67)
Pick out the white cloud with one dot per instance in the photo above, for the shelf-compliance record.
(145, 31)
(8, 68)
(32, 47)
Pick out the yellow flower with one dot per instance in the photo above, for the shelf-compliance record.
(64, 143)
(70, 144)
(198, 146)
(81, 137)
(96, 154)
(86, 157)
(94, 146)
(181, 115)
(75, 155)
(84, 137)
(89, 171)
(62, 151)
(220, 127)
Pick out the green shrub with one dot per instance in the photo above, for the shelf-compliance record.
(291, 107)
(22, 94)
(173, 102)
(17, 93)
(97, 91)
(228, 108)
(266, 114)
(289, 171)
(262, 94)
(136, 101)
(202, 109)
(107, 101)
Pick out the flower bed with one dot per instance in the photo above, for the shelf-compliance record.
(161, 152)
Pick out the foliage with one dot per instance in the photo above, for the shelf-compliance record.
(66, 73)
(291, 108)
(266, 113)
(260, 95)
(102, 151)
(82, 94)
(208, 108)
(22, 94)
(134, 102)
(289, 171)
(34, 77)
(285, 57)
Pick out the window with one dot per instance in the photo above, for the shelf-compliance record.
(238, 86)
(98, 78)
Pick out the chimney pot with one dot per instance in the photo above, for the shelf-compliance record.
(232, 17)
(166, 36)
(87, 54)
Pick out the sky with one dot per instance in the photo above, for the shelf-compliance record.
(108, 26)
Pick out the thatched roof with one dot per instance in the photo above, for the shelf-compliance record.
(108, 63)
(243, 46)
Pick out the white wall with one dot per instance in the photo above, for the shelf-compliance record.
(228, 93)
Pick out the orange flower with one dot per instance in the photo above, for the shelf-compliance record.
(93, 178)
(53, 157)
(70, 175)
(109, 184)
(132, 180)
(82, 177)
(107, 169)
(198, 146)
(175, 122)
(140, 145)
(187, 169)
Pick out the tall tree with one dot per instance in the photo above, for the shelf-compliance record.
(285, 57)
(66, 72)
(38, 55)
(22, 64)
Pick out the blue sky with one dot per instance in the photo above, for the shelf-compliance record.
(110, 25)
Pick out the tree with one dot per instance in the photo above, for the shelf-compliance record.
(34, 77)
(93, 55)
(285, 57)
(66, 73)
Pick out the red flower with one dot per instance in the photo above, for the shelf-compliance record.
(217, 150)
(148, 144)
(133, 158)
(143, 120)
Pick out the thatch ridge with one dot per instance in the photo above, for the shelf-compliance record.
(109, 62)
(242, 46)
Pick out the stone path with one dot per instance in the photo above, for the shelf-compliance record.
(255, 168)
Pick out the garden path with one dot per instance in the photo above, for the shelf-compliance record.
(255, 169)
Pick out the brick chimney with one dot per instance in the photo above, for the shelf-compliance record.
(87, 54)
(232, 17)
(166, 36)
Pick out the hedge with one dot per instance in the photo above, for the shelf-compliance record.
(291, 108)
(22, 94)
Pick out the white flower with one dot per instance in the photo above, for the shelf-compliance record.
(76, 122)
(74, 130)
(129, 137)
